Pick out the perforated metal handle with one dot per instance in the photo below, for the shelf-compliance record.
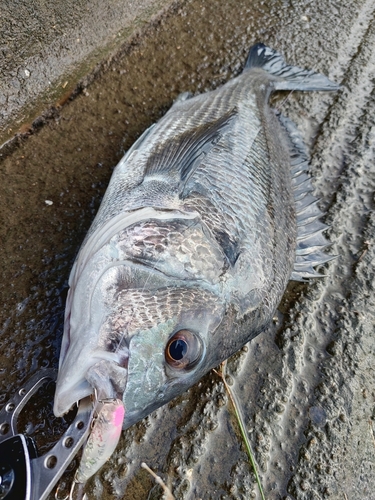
(9, 414)
(47, 469)
(22, 475)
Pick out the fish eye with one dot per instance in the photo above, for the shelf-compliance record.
(183, 349)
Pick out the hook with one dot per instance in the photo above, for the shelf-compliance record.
(57, 492)
(77, 493)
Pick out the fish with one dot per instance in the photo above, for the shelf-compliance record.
(205, 220)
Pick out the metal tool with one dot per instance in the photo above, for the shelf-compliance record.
(24, 475)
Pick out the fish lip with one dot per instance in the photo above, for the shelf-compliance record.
(64, 401)
(68, 392)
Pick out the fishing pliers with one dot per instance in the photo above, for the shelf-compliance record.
(23, 474)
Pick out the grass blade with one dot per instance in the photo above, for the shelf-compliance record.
(240, 420)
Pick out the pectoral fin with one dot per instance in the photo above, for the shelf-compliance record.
(180, 156)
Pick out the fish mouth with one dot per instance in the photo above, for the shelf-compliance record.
(65, 399)
(103, 375)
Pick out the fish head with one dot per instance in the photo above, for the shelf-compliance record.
(171, 354)
(136, 335)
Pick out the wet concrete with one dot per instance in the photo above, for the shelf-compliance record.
(306, 385)
(46, 48)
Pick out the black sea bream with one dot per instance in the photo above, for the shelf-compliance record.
(205, 220)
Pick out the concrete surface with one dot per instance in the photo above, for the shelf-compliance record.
(47, 48)
(307, 385)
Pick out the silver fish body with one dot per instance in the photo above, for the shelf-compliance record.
(204, 222)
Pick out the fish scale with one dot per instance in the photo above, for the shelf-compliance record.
(205, 220)
(139, 302)
(185, 249)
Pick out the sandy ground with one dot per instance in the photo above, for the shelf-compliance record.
(306, 385)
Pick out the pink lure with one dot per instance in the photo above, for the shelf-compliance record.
(101, 443)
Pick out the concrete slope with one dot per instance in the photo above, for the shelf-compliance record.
(46, 48)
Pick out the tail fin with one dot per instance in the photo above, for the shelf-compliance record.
(289, 77)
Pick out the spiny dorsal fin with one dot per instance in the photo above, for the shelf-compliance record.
(310, 238)
(289, 77)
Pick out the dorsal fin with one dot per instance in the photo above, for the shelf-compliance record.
(289, 77)
(310, 239)
(181, 155)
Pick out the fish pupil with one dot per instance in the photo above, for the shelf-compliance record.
(178, 349)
